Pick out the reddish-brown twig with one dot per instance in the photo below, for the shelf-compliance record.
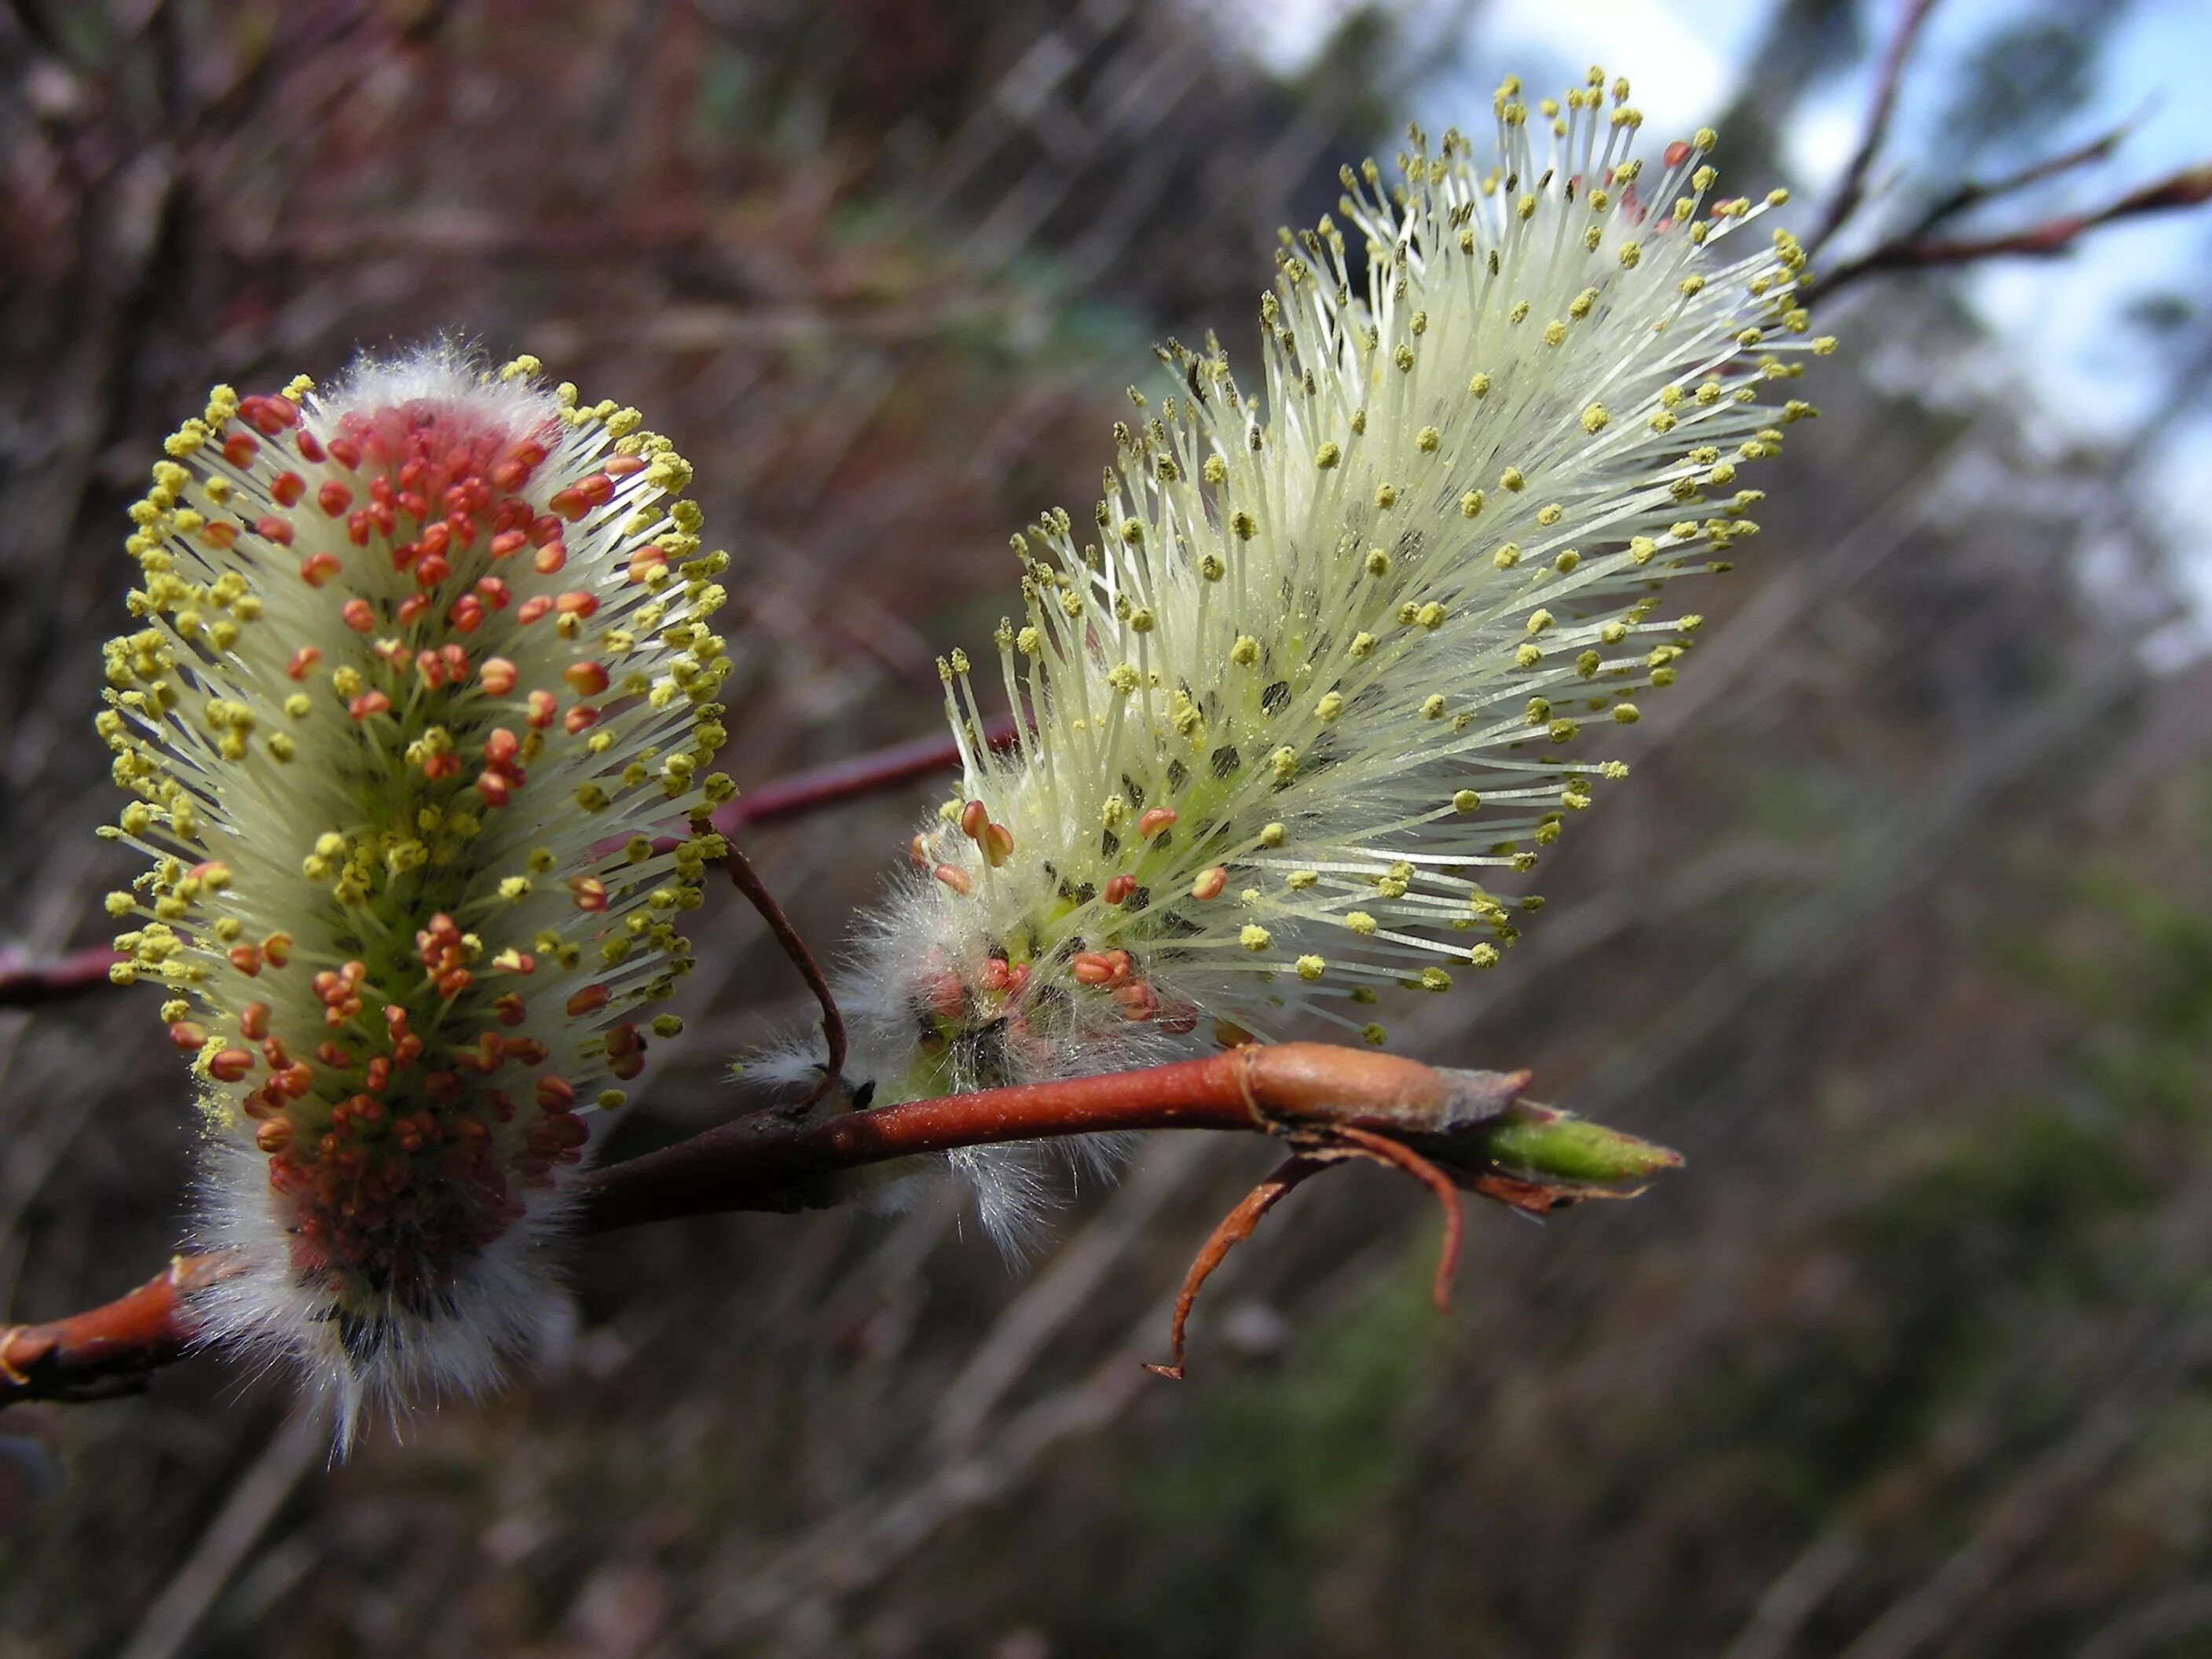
(1974, 192)
(774, 1160)
(1314, 1095)
(2191, 187)
(108, 1349)
(748, 882)
(849, 780)
(1851, 191)
(29, 984)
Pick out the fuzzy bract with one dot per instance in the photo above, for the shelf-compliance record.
(1313, 681)
(422, 666)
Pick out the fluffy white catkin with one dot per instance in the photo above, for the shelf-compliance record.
(422, 663)
(1311, 678)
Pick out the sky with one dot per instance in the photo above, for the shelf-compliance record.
(2084, 372)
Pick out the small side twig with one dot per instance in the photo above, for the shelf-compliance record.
(748, 882)
(1851, 190)
(2190, 187)
(851, 779)
(1971, 193)
(25, 984)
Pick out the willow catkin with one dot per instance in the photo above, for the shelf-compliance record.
(422, 664)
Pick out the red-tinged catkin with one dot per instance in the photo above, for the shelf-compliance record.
(406, 969)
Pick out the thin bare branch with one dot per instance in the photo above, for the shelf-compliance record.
(1852, 191)
(1971, 193)
(1468, 1129)
(2191, 187)
(756, 891)
(32, 984)
(850, 779)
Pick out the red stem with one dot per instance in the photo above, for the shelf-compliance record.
(1852, 189)
(2191, 187)
(848, 780)
(778, 1160)
(30, 984)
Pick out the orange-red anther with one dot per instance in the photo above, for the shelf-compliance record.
(1153, 820)
(231, 1064)
(1137, 1000)
(1091, 968)
(1118, 889)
